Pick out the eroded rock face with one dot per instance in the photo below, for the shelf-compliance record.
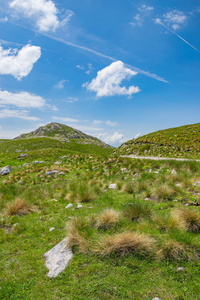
(5, 170)
(58, 258)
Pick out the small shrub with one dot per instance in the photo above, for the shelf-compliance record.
(187, 219)
(108, 219)
(18, 207)
(137, 209)
(173, 250)
(126, 243)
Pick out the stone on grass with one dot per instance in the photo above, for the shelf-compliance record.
(58, 258)
(174, 172)
(61, 173)
(79, 206)
(156, 298)
(23, 155)
(197, 183)
(36, 162)
(57, 163)
(69, 205)
(180, 269)
(113, 186)
(51, 229)
(54, 200)
(5, 170)
(51, 172)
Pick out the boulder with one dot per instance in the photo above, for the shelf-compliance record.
(58, 258)
(5, 170)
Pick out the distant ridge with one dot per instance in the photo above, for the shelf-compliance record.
(62, 133)
(183, 141)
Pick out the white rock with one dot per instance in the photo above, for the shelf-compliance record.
(61, 173)
(51, 229)
(5, 170)
(54, 200)
(113, 186)
(58, 258)
(69, 205)
(174, 172)
(180, 269)
(79, 206)
(57, 163)
(156, 298)
(51, 172)
(197, 183)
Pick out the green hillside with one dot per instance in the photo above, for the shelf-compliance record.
(181, 142)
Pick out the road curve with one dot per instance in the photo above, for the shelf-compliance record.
(159, 158)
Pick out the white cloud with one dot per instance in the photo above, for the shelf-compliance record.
(138, 21)
(80, 67)
(96, 122)
(112, 124)
(21, 99)
(44, 12)
(90, 68)
(65, 120)
(137, 135)
(114, 139)
(175, 19)
(72, 99)
(18, 63)
(108, 80)
(60, 84)
(21, 114)
(145, 9)
(3, 20)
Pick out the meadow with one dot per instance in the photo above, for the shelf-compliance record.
(136, 235)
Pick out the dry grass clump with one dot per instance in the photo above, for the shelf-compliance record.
(18, 207)
(187, 219)
(108, 219)
(137, 209)
(163, 192)
(164, 223)
(78, 233)
(173, 250)
(126, 243)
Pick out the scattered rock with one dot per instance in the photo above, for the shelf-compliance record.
(61, 173)
(23, 155)
(57, 163)
(58, 258)
(79, 206)
(5, 170)
(197, 183)
(51, 172)
(18, 151)
(26, 164)
(54, 200)
(146, 199)
(178, 184)
(156, 298)
(36, 162)
(180, 269)
(51, 229)
(113, 186)
(174, 172)
(69, 205)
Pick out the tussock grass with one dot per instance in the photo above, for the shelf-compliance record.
(137, 209)
(108, 219)
(18, 207)
(173, 250)
(127, 243)
(187, 219)
(162, 192)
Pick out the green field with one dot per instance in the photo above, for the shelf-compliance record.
(128, 242)
(183, 142)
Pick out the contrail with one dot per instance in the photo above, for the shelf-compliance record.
(146, 73)
(161, 23)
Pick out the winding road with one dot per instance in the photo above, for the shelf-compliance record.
(159, 158)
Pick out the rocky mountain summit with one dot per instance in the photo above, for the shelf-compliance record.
(62, 133)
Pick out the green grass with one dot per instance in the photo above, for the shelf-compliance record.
(183, 142)
(94, 273)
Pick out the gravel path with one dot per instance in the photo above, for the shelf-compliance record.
(159, 158)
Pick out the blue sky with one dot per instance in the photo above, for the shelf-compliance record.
(112, 69)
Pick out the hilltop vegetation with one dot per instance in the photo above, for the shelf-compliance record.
(135, 235)
(181, 142)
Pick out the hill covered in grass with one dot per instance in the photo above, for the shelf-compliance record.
(183, 141)
(51, 140)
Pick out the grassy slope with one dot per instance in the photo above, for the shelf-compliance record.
(181, 141)
(22, 269)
